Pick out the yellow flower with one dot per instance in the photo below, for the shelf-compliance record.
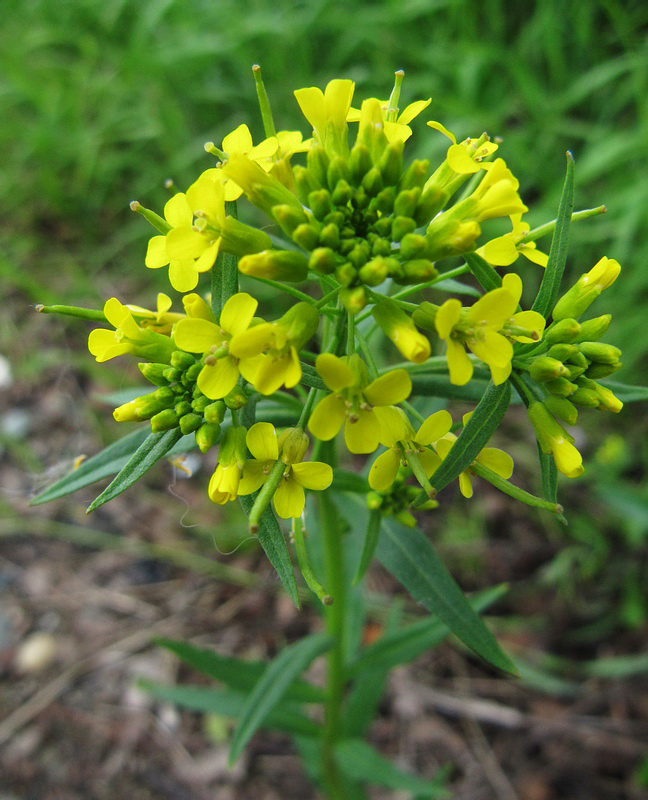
(279, 342)
(327, 112)
(504, 250)
(553, 439)
(355, 402)
(480, 329)
(199, 335)
(465, 157)
(496, 195)
(586, 289)
(162, 320)
(289, 497)
(396, 126)
(492, 457)
(240, 142)
(398, 327)
(224, 483)
(190, 249)
(127, 337)
(399, 437)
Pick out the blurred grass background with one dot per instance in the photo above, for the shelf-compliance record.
(102, 101)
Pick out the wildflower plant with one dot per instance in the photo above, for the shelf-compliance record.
(306, 417)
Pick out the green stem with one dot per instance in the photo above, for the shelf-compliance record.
(73, 311)
(548, 227)
(264, 103)
(304, 565)
(308, 408)
(328, 297)
(335, 616)
(265, 495)
(514, 491)
(282, 287)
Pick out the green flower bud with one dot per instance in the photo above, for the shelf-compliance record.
(346, 274)
(330, 236)
(164, 395)
(585, 397)
(323, 260)
(214, 413)
(360, 199)
(567, 330)
(391, 163)
(359, 162)
(293, 444)
(431, 202)
(406, 202)
(304, 182)
(407, 519)
(154, 373)
(306, 236)
(399, 328)
(374, 272)
(418, 270)
(374, 501)
(338, 172)
(360, 254)
(172, 375)
(354, 300)
(193, 372)
(413, 245)
(289, 217)
(596, 371)
(372, 182)
(401, 226)
(574, 372)
(207, 436)
(181, 360)
(182, 408)
(562, 351)
(236, 399)
(319, 203)
(164, 421)
(190, 423)
(317, 164)
(450, 237)
(381, 247)
(141, 408)
(561, 387)
(586, 289)
(425, 315)
(562, 408)
(593, 329)
(200, 403)
(415, 175)
(545, 368)
(240, 239)
(342, 193)
(600, 353)
(279, 265)
(384, 202)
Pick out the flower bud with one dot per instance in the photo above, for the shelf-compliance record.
(391, 163)
(415, 175)
(402, 226)
(374, 272)
(372, 182)
(236, 399)
(450, 237)
(317, 162)
(413, 245)
(355, 299)
(293, 444)
(319, 203)
(214, 413)
(431, 202)
(593, 329)
(164, 421)
(181, 360)
(600, 353)
(301, 322)
(562, 408)
(398, 327)
(346, 274)
(342, 193)
(417, 271)
(385, 203)
(561, 387)
(602, 370)
(262, 189)
(553, 439)
(323, 260)
(154, 373)
(182, 408)
(406, 202)
(425, 315)
(207, 436)
(190, 423)
(200, 403)
(586, 289)
(545, 368)
(279, 265)
(172, 375)
(360, 162)
(587, 398)
(306, 236)
(374, 500)
(289, 218)
(338, 170)
(305, 182)
(567, 330)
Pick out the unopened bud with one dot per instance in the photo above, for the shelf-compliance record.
(154, 373)
(562, 408)
(374, 501)
(289, 218)
(342, 192)
(562, 351)
(360, 162)
(214, 413)
(319, 203)
(306, 236)
(182, 408)
(593, 329)
(346, 274)
(425, 315)
(385, 203)
(372, 182)
(190, 423)
(164, 421)
(600, 353)
(586, 289)
(207, 436)
(545, 368)
(406, 202)
(585, 397)
(567, 330)
(596, 371)
(413, 245)
(561, 387)
(293, 444)
(402, 226)
(236, 399)
(418, 270)
(415, 175)
(399, 328)
(338, 172)
(354, 300)
(279, 265)
(431, 202)
(391, 163)
(181, 360)
(374, 272)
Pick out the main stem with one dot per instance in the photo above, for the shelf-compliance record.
(335, 583)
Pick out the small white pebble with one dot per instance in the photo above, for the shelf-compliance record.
(36, 653)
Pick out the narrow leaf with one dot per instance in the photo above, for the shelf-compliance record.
(235, 672)
(456, 287)
(360, 761)
(155, 447)
(482, 270)
(408, 643)
(552, 278)
(344, 481)
(229, 703)
(440, 386)
(372, 534)
(310, 377)
(549, 476)
(474, 437)
(274, 544)
(107, 462)
(273, 685)
(412, 560)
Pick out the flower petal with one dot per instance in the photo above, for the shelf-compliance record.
(182, 275)
(492, 348)
(494, 308)
(237, 313)
(253, 476)
(335, 372)
(500, 462)
(394, 425)
(389, 389)
(197, 335)
(156, 253)
(434, 427)
(238, 141)
(384, 470)
(362, 436)
(313, 474)
(289, 498)
(177, 211)
(500, 251)
(460, 366)
(430, 462)
(413, 110)
(217, 380)
(460, 161)
(261, 440)
(447, 317)
(465, 485)
(327, 418)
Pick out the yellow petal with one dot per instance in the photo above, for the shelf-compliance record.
(255, 340)
(197, 335)
(206, 259)
(327, 418)
(493, 309)
(434, 427)
(311, 102)
(444, 445)
(249, 367)
(384, 470)
(217, 380)
(493, 349)
(497, 460)
(289, 499)
(196, 307)
(500, 374)
(460, 366)
(430, 462)
(207, 195)
(531, 252)
(389, 389)
(442, 129)
(177, 211)
(396, 132)
(337, 96)
(156, 253)
(185, 243)
(459, 161)
(237, 313)
(413, 110)
(465, 485)
(362, 436)
(447, 317)
(261, 440)
(531, 321)
(253, 475)
(313, 475)
(335, 373)
(238, 141)
(264, 150)
(500, 252)
(513, 284)
(182, 275)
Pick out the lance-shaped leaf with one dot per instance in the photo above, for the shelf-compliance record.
(358, 760)
(154, 447)
(105, 463)
(474, 437)
(552, 278)
(235, 672)
(412, 560)
(310, 377)
(274, 544)
(482, 270)
(440, 386)
(229, 703)
(273, 685)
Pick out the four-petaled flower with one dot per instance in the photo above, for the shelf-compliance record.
(355, 402)
(465, 157)
(504, 250)
(396, 125)
(289, 497)
(128, 337)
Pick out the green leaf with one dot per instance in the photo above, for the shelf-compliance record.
(123, 395)
(440, 386)
(552, 278)
(235, 672)
(229, 703)
(372, 534)
(482, 270)
(107, 462)
(310, 377)
(274, 544)
(549, 476)
(474, 437)
(273, 685)
(344, 481)
(456, 287)
(408, 643)
(155, 447)
(360, 761)
(411, 559)
(627, 393)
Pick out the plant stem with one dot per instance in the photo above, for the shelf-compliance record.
(335, 615)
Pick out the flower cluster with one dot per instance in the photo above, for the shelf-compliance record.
(354, 221)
